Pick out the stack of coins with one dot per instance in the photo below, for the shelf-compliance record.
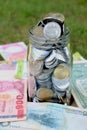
(51, 61)
(49, 56)
(38, 54)
(61, 78)
(35, 67)
(44, 79)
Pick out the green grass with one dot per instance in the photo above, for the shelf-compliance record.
(18, 16)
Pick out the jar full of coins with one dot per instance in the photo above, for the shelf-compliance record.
(50, 58)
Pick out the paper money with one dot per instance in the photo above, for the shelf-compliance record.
(12, 100)
(79, 83)
(21, 69)
(50, 116)
(77, 56)
(13, 94)
(14, 51)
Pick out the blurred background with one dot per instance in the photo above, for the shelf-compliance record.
(18, 16)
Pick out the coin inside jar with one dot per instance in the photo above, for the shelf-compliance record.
(39, 54)
(44, 93)
(38, 31)
(61, 72)
(36, 67)
(51, 61)
(52, 30)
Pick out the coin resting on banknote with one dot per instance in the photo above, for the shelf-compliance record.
(44, 93)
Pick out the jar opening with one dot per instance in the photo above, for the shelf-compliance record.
(37, 38)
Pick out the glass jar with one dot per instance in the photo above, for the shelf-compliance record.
(50, 59)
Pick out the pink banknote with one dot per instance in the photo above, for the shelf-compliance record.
(14, 51)
(13, 94)
(5, 66)
(12, 100)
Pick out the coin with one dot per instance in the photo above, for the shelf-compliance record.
(35, 67)
(61, 77)
(53, 64)
(59, 93)
(61, 72)
(44, 93)
(60, 55)
(38, 31)
(39, 54)
(45, 74)
(51, 61)
(45, 78)
(52, 30)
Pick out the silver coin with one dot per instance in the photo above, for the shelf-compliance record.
(52, 30)
(52, 65)
(51, 61)
(39, 54)
(60, 93)
(43, 77)
(45, 74)
(47, 84)
(61, 77)
(50, 57)
(60, 85)
(60, 56)
(43, 80)
(36, 99)
(35, 67)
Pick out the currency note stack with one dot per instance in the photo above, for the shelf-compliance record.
(13, 94)
(79, 80)
(13, 82)
(50, 116)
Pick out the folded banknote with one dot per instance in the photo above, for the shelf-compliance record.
(50, 116)
(13, 94)
(79, 83)
(13, 51)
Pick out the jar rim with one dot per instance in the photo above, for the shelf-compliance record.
(42, 41)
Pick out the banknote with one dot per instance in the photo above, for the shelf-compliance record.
(77, 56)
(21, 69)
(79, 83)
(14, 51)
(12, 100)
(13, 94)
(50, 116)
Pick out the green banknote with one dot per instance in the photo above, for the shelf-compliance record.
(79, 83)
(50, 116)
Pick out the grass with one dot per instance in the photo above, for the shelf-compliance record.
(18, 16)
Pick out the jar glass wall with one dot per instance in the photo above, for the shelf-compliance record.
(50, 58)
